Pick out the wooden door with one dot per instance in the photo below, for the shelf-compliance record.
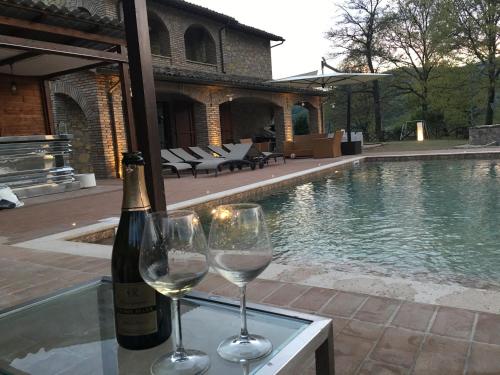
(226, 125)
(184, 124)
(164, 126)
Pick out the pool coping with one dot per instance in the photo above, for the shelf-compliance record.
(452, 295)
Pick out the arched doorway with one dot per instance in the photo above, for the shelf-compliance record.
(300, 119)
(70, 119)
(247, 118)
(176, 120)
(305, 118)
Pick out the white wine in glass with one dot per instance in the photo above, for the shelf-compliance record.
(239, 250)
(173, 259)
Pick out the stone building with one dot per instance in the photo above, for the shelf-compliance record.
(211, 78)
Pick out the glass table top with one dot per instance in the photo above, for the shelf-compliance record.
(73, 333)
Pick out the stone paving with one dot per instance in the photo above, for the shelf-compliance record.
(50, 214)
(373, 335)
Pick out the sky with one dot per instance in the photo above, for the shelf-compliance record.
(302, 24)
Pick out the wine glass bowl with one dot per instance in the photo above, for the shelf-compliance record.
(239, 250)
(173, 259)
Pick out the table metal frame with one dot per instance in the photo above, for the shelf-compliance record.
(317, 338)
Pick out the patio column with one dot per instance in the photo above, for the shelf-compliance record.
(283, 126)
(213, 124)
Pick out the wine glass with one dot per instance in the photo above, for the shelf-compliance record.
(239, 250)
(173, 259)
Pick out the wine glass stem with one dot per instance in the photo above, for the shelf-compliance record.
(180, 352)
(243, 313)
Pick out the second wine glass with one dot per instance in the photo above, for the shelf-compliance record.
(240, 249)
(173, 259)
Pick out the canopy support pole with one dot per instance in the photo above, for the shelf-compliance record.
(348, 119)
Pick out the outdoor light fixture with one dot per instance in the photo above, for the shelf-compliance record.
(420, 131)
(230, 97)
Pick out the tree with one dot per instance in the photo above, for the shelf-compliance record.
(479, 35)
(419, 41)
(358, 37)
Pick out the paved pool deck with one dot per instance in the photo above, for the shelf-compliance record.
(373, 334)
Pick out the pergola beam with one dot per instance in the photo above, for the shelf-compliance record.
(58, 30)
(59, 49)
(14, 59)
(144, 98)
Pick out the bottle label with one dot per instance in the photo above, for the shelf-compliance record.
(135, 309)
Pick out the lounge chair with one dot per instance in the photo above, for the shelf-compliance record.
(239, 155)
(266, 155)
(175, 164)
(206, 164)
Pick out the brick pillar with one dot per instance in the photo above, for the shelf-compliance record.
(283, 126)
(314, 118)
(107, 151)
(213, 125)
(200, 123)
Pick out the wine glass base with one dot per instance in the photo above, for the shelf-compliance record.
(193, 363)
(235, 350)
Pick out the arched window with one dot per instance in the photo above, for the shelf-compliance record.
(159, 36)
(200, 45)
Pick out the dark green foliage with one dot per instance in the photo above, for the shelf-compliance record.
(300, 120)
(456, 98)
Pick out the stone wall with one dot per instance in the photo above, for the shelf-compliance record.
(483, 135)
(71, 120)
(247, 55)
(21, 113)
(244, 54)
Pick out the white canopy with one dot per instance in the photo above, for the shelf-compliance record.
(326, 80)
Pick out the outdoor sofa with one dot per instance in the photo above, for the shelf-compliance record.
(301, 146)
(328, 147)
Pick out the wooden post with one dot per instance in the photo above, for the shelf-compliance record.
(47, 108)
(135, 16)
(128, 113)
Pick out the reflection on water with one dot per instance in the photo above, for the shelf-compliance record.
(431, 221)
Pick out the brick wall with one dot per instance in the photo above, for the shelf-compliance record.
(21, 113)
(90, 92)
(177, 22)
(244, 54)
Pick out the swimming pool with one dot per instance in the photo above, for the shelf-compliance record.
(434, 221)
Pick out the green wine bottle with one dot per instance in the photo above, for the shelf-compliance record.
(142, 315)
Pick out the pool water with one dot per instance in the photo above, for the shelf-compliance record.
(434, 221)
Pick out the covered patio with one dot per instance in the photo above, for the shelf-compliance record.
(40, 147)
